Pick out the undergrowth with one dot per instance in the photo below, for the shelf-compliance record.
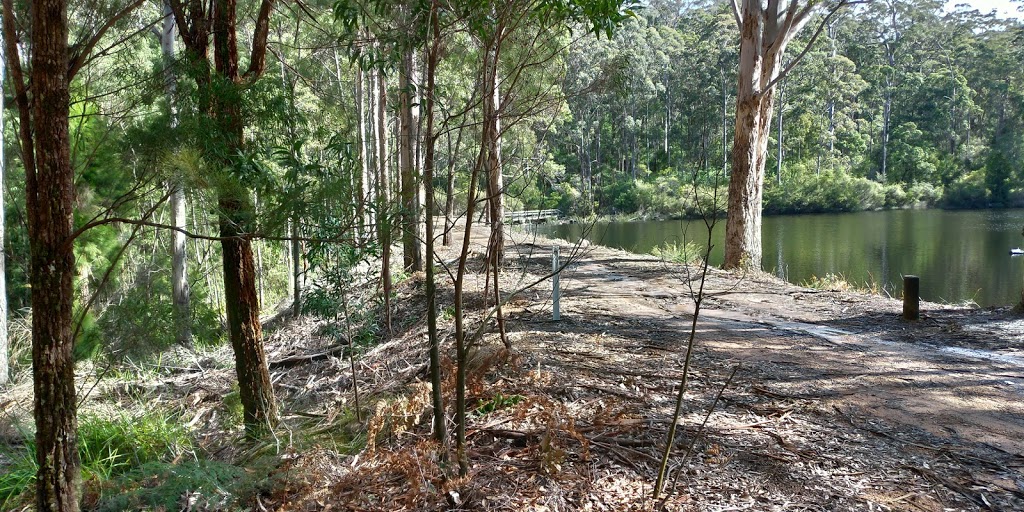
(839, 282)
(107, 446)
(687, 253)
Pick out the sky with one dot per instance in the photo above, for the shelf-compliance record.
(1005, 8)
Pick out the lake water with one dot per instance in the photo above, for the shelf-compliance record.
(959, 255)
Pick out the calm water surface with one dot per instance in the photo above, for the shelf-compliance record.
(960, 255)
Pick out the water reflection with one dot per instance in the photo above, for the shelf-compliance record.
(960, 256)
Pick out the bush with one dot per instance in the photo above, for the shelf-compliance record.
(687, 253)
(141, 322)
(623, 196)
(829, 192)
(895, 196)
(925, 193)
(966, 192)
(107, 447)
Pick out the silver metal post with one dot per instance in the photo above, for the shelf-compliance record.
(555, 292)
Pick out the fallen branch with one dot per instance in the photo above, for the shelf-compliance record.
(290, 361)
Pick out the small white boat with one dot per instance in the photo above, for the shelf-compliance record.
(1016, 252)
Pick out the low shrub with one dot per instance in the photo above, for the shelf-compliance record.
(688, 252)
(967, 192)
(107, 447)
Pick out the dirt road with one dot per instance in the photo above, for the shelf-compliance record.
(947, 388)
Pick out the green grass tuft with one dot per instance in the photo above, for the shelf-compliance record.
(689, 253)
(107, 447)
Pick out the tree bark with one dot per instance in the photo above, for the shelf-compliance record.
(449, 190)
(362, 213)
(5, 373)
(244, 329)
(180, 293)
(236, 211)
(430, 141)
(49, 189)
(765, 31)
(297, 282)
(750, 145)
(383, 199)
(411, 250)
(495, 180)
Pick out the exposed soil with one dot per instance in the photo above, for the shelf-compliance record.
(836, 403)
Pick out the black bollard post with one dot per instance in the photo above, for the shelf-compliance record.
(911, 297)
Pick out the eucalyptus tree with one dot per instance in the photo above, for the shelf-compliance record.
(43, 101)
(5, 349)
(766, 29)
(180, 293)
(221, 86)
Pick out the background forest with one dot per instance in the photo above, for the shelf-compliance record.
(302, 151)
(897, 104)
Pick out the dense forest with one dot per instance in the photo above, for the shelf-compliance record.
(180, 174)
(894, 104)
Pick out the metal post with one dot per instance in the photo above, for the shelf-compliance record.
(555, 292)
(911, 297)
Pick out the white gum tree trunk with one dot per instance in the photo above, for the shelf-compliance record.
(766, 28)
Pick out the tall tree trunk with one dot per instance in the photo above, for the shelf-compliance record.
(383, 199)
(765, 31)
(49, 191)
(180, 293)
(362, 213)
(244, 329)
(725, 123)
(750, 145)
(235, 208)
(461, 347)
(782, 101)
(412, 258)
(886, 117)
(5, 373)
(495, 180)
(495, 184)
(449, 191)
(294, 224)
(430, 141)
(297, 281)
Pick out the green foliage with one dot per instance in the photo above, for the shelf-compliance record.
(233, 411)
(911, 158)
(687, 253)
(835, 282)
(201, 484)
(107, 447)
(111, 446)
(17, 470)
(839, 282)
(998, 171)
(600, 16)
(90, 338)
(127, 330)
(967, 192)
(829, 192)
(485, 407)
(622, 196)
